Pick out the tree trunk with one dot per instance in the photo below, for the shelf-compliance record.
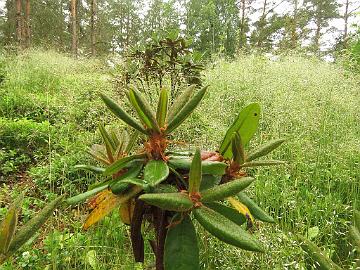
(346, 18)
(294, 36)
(242, 36)
(317, 35)
(262, 24)
(74, 43)
(27, 24)
(18, 23)
(93, 30)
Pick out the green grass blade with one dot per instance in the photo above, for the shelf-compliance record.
(246, 123)
(264, 149)
(186, 110)
(180, 101)
(181, 246)
(162, 109)
(195, 173)
(121, 114)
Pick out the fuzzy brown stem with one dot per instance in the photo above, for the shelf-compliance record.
(160, 223)
(135, 231)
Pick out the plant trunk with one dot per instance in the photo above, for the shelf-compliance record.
(74, 43)
(18, 24)
(93, 30)
(137, 240)
(27, 25)
(160, 222)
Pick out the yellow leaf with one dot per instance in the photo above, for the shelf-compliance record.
(98, 198)
(107, 204)
(126, 211)
(242, 208)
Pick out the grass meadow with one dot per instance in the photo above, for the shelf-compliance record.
(49, 112)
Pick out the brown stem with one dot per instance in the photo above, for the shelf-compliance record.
(160, 223)
(135, 231)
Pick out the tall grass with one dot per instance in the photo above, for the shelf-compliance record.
(314, 105)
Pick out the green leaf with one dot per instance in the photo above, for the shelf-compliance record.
(162, 107)
(262, 163)
(228, 189)
(89, 168)
(228, 212)
(264, 149)
(208, 167)
(355, 237)
(155, 172)
(143, 109)
(209, 181)
(135, 181)
(29, 229)
(255, 210)
(8, 226)
(178, 202)
(186, 110)
(121, 163)
(317, 255)
(181, 246)
(238, 149)
(225, 230)
(83, 196)
(195, 173)
(109, 143)
(132, 141)
(120, 113)
(246, 124)
(180, 101)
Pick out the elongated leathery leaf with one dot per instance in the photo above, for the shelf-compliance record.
(317, 255)
(355, 237)
(83, 196)
(195, 173)
(90, 168)
(264, 149)
(226, 190)
(186, 110)
(121, 163)
(155, 172)
(238, 149)
(109, 143)
(209, 181)
(143, 109)
(108, 203)
(180, 101)
(228, 212)
(224, 229)
(8, 226)
(255, 210)
(246, 124)
(162, 107)
(263, 163)
(241, 208)
(208, 167)
(178, 202)
(120, 113)
(181, 246)
(34, 224)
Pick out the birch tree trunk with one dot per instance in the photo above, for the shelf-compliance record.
(74, 43)
(19, 24)
(93, 27)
